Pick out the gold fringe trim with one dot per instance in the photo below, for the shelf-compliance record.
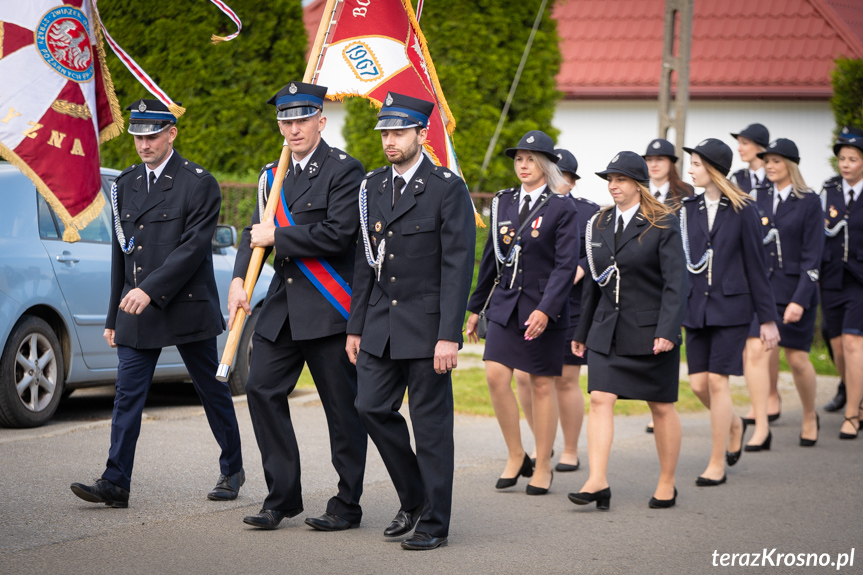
(450, 126)
(72, 224)
(177, 110)
(217, 39)
(2, 34)
(478, 218)
(116, 127)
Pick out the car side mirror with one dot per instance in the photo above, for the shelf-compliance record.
(225, 236)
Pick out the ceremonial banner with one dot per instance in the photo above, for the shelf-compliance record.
(374, 47)
(57, 103)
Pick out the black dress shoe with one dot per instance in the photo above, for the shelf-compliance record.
(228, 487)
(811, 442)
(102, 491)
(765, 446)
(404, 521)
(707, 482)
(732, 457)
(602, 498)
(420, 541)
(655, 503)
(838, 401)
(566, 467)
(842, 434)
(532, 490)
(648, 429)
(270, 518)
(526, 470)
(330, 522)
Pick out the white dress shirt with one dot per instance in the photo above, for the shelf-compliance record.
(158, 171)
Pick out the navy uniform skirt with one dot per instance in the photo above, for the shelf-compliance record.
(645, 377)
(506, 345)
(797, 335)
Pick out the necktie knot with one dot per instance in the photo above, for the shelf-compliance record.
(398, 186)
(657, 195)
(297, 170)
(152, 181)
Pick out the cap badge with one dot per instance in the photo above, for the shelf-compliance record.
(560, 156)
(615, 158)
(702, 143)
(845, 130)
(530, 139)
(292, 88)
(142, 107)
(389, 100)
(853, 140)
(656, 145)
(378, 227)
(772, 144)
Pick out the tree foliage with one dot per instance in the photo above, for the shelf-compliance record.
(476, 46)
(847, 100)
(228, 126)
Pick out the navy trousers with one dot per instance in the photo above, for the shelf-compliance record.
(275, 369)
(134, 376)
(427, 475)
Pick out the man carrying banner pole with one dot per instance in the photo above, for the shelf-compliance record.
(304, 315)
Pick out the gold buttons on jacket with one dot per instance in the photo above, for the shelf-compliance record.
(139, 269)
(393, 280)
(290, 280)
(395, 302)
(392, 256)
(141, 227)
(140, 248)
(390, 234)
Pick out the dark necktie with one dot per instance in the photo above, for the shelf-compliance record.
(779, 203)
(618, 232)
(398, 186)
(152, 181)
(525, 210)
(850, 201)
(297, 170)
(657, 194)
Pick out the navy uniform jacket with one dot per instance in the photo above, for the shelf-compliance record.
(832, 266)
(323, 203)
(426, 274)
(586, 209)
(546, 266)
(743, 179)
(172, 261)
(801, 236)
(653, 287)
(740, 285)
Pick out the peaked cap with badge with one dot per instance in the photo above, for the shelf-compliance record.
(628, 164)
(535, 141)
(782, 147)
(567, 162)
(715, 152)
(661, 147)
(149, 117)
(399, 111)
(298, 100)
(755, 132)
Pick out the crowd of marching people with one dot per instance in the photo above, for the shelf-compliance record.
(740, 265)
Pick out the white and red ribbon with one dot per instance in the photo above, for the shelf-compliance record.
(234, 18)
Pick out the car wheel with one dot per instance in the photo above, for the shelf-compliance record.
(240, 371)
(31, 374)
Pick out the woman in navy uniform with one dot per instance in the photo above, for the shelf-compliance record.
(632, 308)
(534, 244)
(751, 141)
(791, 225)
(665, 183)
(728, 286)
(570, 402)
(842, 273)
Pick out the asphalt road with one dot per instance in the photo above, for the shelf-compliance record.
(793, 499)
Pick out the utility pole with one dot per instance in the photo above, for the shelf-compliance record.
(672, 112)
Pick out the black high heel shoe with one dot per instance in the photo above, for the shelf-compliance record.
(602, 498)
(811, 442)
(843, 435)
(763, 447)
(526, 471)
(655, 503)
(532, 490)
(731, 457)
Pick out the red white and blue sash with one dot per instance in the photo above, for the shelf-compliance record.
(322, 275)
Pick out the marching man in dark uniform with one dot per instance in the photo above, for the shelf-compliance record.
(305, 312)
(163, 293)
(414, 265)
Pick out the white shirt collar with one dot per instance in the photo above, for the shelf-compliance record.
(780, 195)
(627, 215)
(305, 161)
(759, 173)
(409, 174)
(160, 168)
(663, 190)
(858, 187)
(534, 195)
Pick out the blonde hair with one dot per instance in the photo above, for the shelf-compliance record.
(798, 185)
(738, 197)
(553, 176)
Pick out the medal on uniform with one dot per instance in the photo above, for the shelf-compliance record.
(504, 229)
(377, 226)
(535, 225)
(534, 234)
(764, 221)
(507, 239)
(833, 212)
(375, 240)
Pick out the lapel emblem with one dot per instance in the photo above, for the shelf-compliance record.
(199, 170)
(369, 173)
(504, 229)
(169, 177)
(378, 227)
(833, 212)
(507, 240)
(342, 156)
(313, 167)
(419, 181)
(447, 174)
(765, 220)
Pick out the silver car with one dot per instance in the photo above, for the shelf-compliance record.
(54, 298)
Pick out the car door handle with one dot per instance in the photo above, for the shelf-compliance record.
(66, 257)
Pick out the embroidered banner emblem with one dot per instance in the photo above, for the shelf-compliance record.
(322, 275)
(63, 41)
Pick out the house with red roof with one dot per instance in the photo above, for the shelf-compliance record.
(767, 61)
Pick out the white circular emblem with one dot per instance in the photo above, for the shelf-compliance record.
(530, 140)
(853, 140)
(656, 145)
(560, 156)
(292, 88)
(615, 158)
(142, 107)
(702, 143)
(772, 144)
(389, 100)
(63, 41)
(845, 130)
